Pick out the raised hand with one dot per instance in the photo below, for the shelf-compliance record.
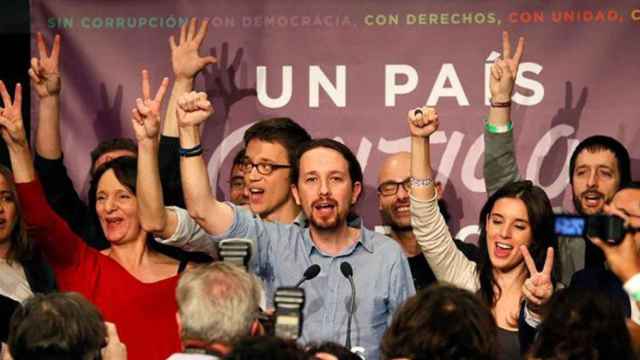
(538, 288)
(11, 125)
(185, 57)
(623, 259)
(146, 114)
(44, 71)
(423, 121)
(193, 109)
(505, 69)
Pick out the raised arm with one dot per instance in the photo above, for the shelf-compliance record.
(446, 260)
(59, 243)
(45, 79)
(214, 216)
(154, 217)
(12, 130)
(500, 166)
(422, 123)
(187, 63)
(58, 187)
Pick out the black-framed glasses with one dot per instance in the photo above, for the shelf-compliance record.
(389, 188)
(264, 168)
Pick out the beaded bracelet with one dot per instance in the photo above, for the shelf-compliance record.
(421, 182)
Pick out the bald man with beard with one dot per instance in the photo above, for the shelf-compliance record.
(393, 203)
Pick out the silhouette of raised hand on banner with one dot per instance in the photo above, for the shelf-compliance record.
(570, 115)
(554, 162)
(107, 124)
(220, 81)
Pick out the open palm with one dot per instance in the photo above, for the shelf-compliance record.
(185, 58)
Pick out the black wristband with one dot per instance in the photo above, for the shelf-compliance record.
(194, 151)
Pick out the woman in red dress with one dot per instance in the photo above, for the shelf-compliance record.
(132, 285)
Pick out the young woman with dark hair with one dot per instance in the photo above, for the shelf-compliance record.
(517, 242)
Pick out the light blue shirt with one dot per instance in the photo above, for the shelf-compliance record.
(283, 252)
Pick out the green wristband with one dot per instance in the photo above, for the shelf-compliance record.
(498, 129)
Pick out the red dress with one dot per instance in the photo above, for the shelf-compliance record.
(144, 313)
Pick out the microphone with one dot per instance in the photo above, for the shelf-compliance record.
(347, 271)
(311, 272)
(237, 251)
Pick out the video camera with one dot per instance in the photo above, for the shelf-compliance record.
(608, 228)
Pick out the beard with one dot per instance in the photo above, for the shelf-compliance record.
(577, 203)
(325, 223)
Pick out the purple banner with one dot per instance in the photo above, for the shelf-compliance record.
(351, 70)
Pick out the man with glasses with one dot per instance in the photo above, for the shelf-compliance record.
(270, 146)
(394, 182)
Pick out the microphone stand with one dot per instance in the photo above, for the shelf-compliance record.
(351, 311)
